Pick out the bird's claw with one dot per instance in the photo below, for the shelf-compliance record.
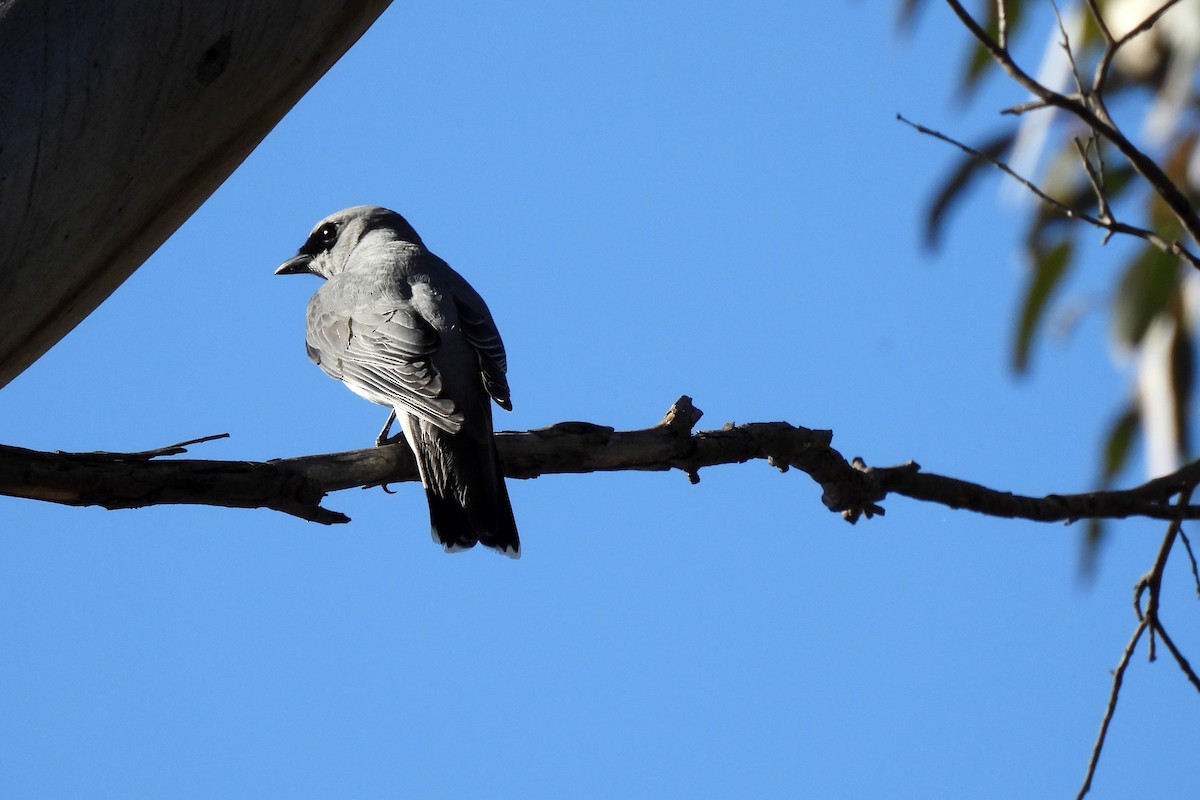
(380, 441)
(382, 438)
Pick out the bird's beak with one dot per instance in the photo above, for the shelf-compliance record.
(295, 266)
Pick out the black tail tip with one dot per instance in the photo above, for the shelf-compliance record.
(457, 527)
(504, 545)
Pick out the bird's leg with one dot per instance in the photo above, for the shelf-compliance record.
(382, 438)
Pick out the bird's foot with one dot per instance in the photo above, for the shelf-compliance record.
(382, 438)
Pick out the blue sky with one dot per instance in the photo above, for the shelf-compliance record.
(704, 199)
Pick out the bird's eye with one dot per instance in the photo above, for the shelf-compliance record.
(327, 234)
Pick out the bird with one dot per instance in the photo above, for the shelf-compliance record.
(401, 328)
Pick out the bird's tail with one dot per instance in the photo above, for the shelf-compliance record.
(464, 484)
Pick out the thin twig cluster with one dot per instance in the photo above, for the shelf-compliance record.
(1086, 103)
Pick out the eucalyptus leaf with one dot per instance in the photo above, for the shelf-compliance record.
(1049, 268)
(958, 181)
(1149, 283)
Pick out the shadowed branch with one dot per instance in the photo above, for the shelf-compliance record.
(298, 486)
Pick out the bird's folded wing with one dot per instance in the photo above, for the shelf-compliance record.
(384, 355)
(480, 330)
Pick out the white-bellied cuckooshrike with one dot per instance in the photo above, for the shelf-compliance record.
(401, 328)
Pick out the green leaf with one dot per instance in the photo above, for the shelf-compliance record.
(908, 12)
(1119, 443)
(1116, 180)
(1048, 271)
(957, 182)
(976, 64)
(1117, 447)
(1147, 286)
(1089, 553)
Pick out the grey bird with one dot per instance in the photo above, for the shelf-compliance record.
(401, 328)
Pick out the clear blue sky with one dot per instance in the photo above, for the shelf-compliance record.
(655, 199)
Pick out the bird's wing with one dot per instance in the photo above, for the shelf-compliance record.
(480, 330)
(384, 355)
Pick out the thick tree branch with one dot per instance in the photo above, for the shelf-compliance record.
(298, 486)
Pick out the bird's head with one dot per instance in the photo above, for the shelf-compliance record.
(334, 238)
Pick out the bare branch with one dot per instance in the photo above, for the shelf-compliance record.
(1000, 54)
(1033, 105)
(1003, 167)
(1065, 44)
(1110, 225)
(1109, 710)
(1002, 24)
(1150, 500)
(1187, 546)
(1094, 7)
(1092, 113)
(1146, 24)
(1096, 178)
(1179, 657)
(1113, 45)
(1150, 584)
(297, 486)
(145, 455)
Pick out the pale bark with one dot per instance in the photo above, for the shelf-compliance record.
(118, 119)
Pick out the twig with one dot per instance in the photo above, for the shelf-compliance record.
(1066, 46)
(1002, 24)
(1092, 113)
(1098, 147)
(145, 455)
(1150, 500)
(1003, 167)
(1094, 7)
(1179, 657)
(1112, 45)
(1033, 105)
(1146, 24)
(1110, 225)
(1149, 584)
(1109, 710)
(1096, 179)
(1187, 546)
